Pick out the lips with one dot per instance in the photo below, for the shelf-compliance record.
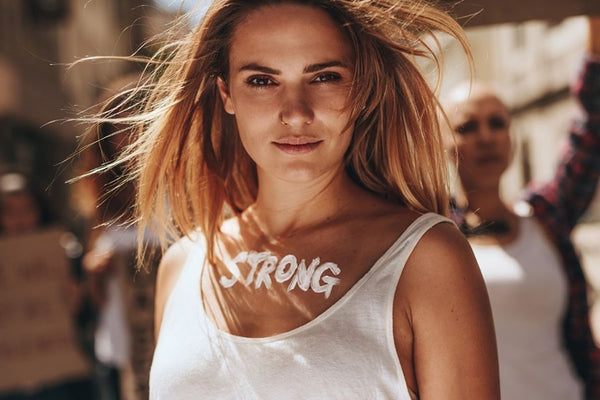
(489, 159)
(297, 145)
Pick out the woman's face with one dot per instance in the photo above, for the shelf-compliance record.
(481, 130)
(290, 74)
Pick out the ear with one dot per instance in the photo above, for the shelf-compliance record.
(225, 96)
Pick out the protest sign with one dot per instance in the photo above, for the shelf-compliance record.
(38, 341)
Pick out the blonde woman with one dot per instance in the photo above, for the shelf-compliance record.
(335, 274)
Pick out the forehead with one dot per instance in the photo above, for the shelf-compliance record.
(285, 30)
(477, 105)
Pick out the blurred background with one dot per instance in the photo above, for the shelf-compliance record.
(531, 49)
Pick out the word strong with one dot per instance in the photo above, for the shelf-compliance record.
(264, 265)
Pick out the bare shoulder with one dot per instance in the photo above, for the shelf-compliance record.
(169, 269)
(443, 249)
(173, 260)
(442, 268)
(441, 300)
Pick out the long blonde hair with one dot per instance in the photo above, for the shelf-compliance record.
(191, 166)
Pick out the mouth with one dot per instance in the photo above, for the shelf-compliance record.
(489, 159)
(297, 145)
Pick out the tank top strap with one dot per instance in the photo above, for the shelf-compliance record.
(195, 261)
(401, 250)
(386, 272)
(383, 276)
(185, 290)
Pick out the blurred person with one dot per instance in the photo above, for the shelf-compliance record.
(109, 258)
(536, 285)
(281, 132)
(24, 210)
(10, 88)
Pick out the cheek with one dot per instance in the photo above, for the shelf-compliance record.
(253, 109)
(252, 132)
(464, 149)
(508, 144)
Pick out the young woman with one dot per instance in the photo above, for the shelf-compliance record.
(307, 125)
(535, 282)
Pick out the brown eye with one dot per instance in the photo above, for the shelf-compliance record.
(467, 127)
(497, 123)
(327, 77)
(259, 81)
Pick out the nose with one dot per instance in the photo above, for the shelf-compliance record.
(485, 134)
(296, 109)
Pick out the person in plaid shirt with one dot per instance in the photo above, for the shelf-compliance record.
(525, 258)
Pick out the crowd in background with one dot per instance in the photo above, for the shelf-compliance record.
(110, 303)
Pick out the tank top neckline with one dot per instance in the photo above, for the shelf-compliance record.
(328, 311)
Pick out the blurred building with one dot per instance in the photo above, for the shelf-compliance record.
(41, 86)
(42, 37)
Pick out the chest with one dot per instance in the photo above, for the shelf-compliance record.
(261, 289)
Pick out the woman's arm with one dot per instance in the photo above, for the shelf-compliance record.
(560, 203)
(444, 295)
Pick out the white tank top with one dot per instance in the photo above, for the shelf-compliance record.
(347, 352)
(528, 293)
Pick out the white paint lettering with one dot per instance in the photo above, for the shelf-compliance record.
(268, 266)
(287, 269)
(281, 275)
(235, 271)
(254, 259)
(303, 275)
(329, 281)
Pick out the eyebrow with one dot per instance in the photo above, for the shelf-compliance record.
(308, 69)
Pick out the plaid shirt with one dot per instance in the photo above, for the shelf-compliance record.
(558, 205)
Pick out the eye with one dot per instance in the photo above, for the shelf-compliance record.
(497, 123)
(467, 127)
(327, 77)
(259, 81)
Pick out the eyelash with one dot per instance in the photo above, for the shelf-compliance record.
(328, 77)
(263, 81)
(253, 81)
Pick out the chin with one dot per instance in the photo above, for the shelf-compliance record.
(298, 176)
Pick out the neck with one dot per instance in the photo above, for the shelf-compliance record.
(284, 208)
(487, 205)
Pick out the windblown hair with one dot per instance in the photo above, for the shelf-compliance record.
(103, 194)
(191, 168)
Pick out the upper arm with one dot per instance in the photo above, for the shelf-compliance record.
(169, 270)
(454, 348)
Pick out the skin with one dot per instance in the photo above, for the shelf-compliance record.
(294, 129)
